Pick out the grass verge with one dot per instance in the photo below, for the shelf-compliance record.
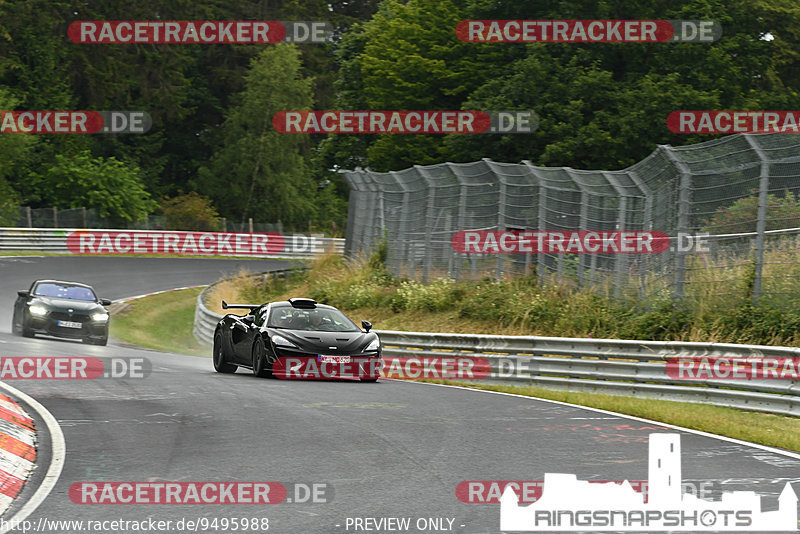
(161, 322)
(778, 431)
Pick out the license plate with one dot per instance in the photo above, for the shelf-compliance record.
(333, 359)
(69, 324)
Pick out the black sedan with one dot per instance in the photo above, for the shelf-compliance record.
(296, 339)
(61, 309)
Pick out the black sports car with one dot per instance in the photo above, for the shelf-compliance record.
(62, 309)
(296, 339)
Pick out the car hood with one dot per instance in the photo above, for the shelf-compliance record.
(315, 341)
(68, 304)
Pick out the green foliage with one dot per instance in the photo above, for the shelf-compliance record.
(15, 151)
(260, 172)
(108, 185)
(190, 211)
(439, 295)
(742, 215)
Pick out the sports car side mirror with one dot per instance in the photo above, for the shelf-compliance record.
(22, 293)
(105, 302)
(366, 325)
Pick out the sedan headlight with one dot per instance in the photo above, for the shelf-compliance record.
(37, 309)
(102, 316)
(282, 341)
(375, 345)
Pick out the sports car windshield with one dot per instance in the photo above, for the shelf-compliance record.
(323, 320)
(64, 291)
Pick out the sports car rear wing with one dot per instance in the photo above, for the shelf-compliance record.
(250, 307)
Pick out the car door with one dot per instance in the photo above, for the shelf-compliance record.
(242, 338)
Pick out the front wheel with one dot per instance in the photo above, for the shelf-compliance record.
(27, 331)
(260, 358)
(103, 341)
(14, 328)
(220, 365)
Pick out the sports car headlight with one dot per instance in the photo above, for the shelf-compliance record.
(375, 345)
(36, 309)
(282, 341)
(102, 316)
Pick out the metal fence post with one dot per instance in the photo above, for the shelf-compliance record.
(620, 259)
(683, 218)
(501, 212)
(541, 219)
(462, 218)
(761, 221)
(584, 217)
(430, 221)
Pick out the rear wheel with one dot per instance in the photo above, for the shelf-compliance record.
(220, 365)
(260, 358)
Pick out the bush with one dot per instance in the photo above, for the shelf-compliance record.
(440, 295)
(190, 211)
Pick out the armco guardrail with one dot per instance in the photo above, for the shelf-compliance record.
(610, 366)
(66, 240)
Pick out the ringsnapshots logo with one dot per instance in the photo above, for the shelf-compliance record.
(75, 122)
(405, 122)
(568, 504)
(199, 32)
(588, 31)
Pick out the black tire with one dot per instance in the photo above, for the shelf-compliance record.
(26, 330)
(103, 341)
(220, 365)
(14, 328)
(259, 353)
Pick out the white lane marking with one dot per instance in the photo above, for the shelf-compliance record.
(634, 418)
(126, 299)
(58, 452)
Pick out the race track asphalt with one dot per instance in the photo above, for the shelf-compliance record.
(389, 449)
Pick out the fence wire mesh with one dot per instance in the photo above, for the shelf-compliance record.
(740, 189)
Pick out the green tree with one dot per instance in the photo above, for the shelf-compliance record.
(15, 151)
(605, 105)
(259, 172)
(107, 185)
(410, 59)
